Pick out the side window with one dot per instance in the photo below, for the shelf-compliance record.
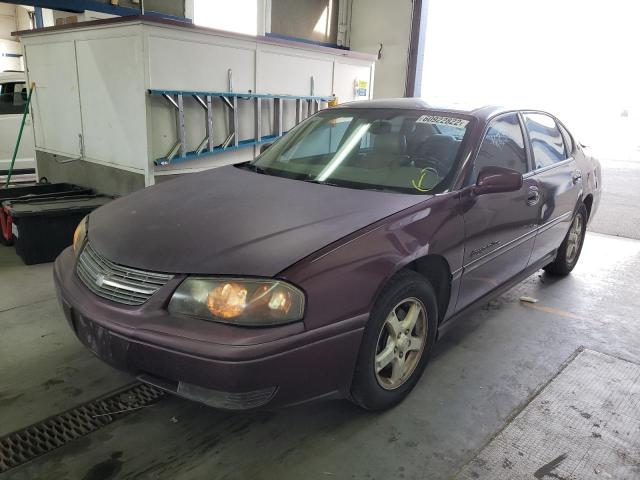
(546, 140)
(13, 96)
(502, 146)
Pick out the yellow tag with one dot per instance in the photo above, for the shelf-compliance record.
(418, 185)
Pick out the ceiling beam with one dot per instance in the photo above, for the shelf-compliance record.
(79, 6)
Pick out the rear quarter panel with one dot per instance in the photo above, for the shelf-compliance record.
(342, 280)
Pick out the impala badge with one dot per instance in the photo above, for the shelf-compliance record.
(478, 251)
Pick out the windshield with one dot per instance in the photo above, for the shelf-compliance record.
(407, 151)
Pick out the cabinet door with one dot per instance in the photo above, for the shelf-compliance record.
(55, 105)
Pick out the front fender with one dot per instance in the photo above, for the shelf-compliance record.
(343, 279)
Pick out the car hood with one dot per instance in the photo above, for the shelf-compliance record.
(233, 221)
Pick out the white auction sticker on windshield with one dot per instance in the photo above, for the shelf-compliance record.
(439, 120)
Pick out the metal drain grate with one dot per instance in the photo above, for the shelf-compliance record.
(36, 440)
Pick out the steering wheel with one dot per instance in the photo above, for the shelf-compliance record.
(433, 162)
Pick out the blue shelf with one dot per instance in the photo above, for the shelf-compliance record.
(240, 95)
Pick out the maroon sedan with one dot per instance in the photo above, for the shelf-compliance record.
(330, 265)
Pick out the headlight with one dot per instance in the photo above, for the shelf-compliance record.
(80, 235)
(251, 302)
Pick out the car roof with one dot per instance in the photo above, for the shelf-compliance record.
(479, 111)
(12, 76)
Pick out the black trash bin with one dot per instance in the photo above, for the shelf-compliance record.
(43, 227)
(40, 190)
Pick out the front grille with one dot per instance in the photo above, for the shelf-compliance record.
(115, 282)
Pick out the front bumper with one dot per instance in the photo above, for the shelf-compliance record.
(246, 367)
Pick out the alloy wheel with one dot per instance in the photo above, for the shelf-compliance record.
(400, 343)
(574, 239)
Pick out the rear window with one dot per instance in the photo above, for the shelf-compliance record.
(568, 140)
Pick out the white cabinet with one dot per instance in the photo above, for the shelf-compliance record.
(92, 102)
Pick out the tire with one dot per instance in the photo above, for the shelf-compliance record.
(376, 387)
(571, 247)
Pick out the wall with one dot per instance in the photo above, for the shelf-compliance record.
(315, 20)
(170, 7)
(7, 20)
(23, 21)
(12, 18)
(388, 22)
(10, 55)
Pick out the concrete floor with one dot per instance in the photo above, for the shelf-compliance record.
(619, 212)
(486, 369)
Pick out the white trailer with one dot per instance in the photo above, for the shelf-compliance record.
(105, 109)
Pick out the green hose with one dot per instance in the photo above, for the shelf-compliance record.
(24, 118)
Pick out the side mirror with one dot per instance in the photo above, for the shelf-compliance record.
(264, 146)
(497, 179)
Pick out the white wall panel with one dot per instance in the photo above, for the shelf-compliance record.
(55, 102)
(375, 22)
(112, 98)
(345, 77)
(7, 25)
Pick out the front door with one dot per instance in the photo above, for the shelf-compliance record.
(559, 178)
(499, 227)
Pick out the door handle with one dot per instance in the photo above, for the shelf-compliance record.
(533, 196)
(577, 176)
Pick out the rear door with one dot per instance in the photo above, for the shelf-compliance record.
(559, 180)
(499, 227)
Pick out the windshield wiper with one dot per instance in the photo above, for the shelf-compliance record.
(255, 168)
(319, 182)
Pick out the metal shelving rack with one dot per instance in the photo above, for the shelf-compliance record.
(230, 100)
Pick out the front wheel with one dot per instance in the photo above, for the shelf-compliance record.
(571, 247)
(396, 343)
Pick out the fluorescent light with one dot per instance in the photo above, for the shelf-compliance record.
(342, 153)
